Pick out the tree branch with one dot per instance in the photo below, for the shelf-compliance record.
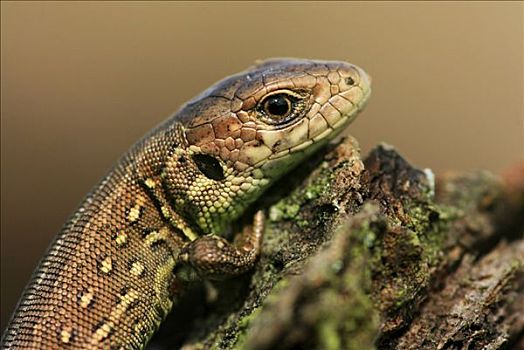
(373, 254)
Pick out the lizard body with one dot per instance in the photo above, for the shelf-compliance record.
(107, 280)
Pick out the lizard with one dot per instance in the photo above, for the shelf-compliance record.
(110, 277)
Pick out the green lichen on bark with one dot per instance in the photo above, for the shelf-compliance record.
(327, 305)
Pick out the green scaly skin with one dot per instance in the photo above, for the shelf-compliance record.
(109, 279)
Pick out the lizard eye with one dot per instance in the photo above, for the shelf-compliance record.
(281, 107)
(209, 166)
(277, 106)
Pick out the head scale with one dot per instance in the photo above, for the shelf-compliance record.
(246, 131)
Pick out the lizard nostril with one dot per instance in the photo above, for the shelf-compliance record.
(350, 81)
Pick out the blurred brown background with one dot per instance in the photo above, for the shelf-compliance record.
(82, 81)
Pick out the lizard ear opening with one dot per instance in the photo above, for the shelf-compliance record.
(209, 166)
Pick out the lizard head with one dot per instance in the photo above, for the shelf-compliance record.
(246, 131)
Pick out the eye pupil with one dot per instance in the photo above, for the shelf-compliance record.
(277, 105)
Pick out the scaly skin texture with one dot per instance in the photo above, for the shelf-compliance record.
(112, 274)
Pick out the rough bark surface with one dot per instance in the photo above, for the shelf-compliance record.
(372, 254)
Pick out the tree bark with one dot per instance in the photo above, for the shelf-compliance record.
(372, 254)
